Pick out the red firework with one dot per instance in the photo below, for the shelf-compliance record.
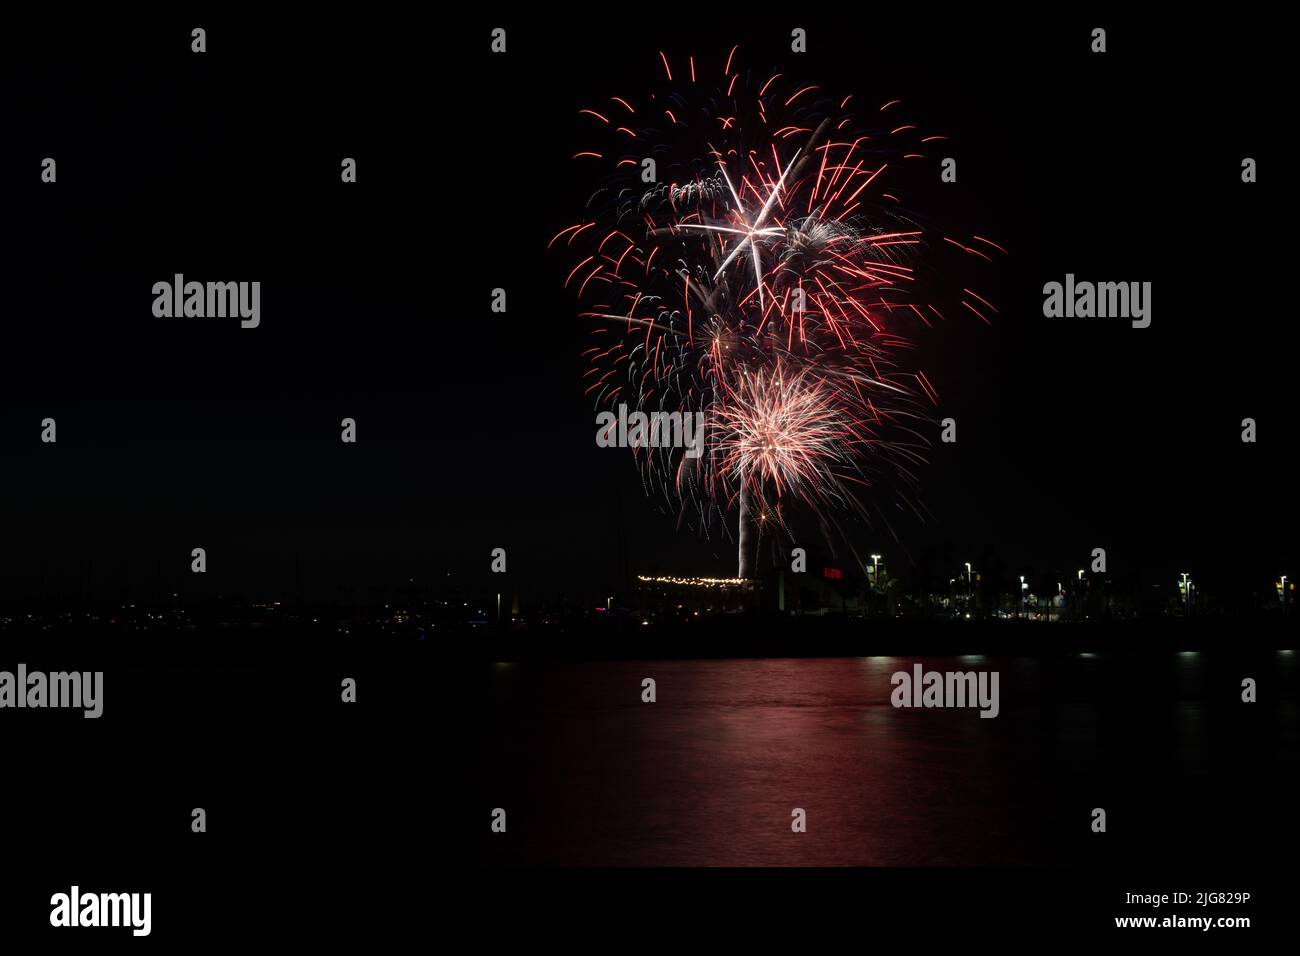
(743, 259)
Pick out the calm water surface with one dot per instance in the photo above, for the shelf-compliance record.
(709, 774)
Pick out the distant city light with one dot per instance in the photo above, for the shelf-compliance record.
(696, 582)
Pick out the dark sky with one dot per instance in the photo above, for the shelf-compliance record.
(474, 432)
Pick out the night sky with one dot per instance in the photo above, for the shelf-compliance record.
(473, 429)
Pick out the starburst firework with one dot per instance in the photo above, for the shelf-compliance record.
(743, 259)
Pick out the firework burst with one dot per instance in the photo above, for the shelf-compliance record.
(784, 435)
(743, 258)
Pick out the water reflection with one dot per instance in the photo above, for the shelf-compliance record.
(710, 773)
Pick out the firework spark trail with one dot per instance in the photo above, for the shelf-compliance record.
(766, 279)
(783, 433)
